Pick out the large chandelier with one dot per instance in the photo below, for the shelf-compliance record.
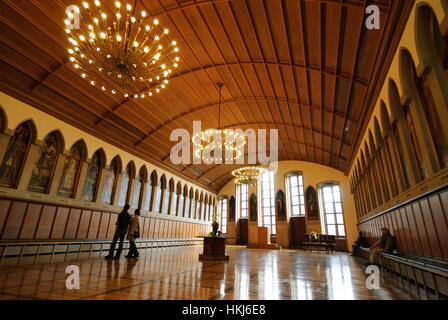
(121, 54)
(248, 175)
(214, 144)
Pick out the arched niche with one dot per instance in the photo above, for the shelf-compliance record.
(96, 164)
(140, 180)
(110, 182)
(45, 165)
(72, 169)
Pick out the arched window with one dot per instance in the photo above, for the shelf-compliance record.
(173, 198)
(124, 187)
(187, 203)
(180, 200)
(138, 190)
(404, 165)
(166, 197)
(295, 193)
(222, 206)
(192, 204)
(70, 173)
(196, 204)
(15, 155)
(267, 191)
(110, 183)
(148, 206)
(203, 206)
(206, 207)
(93, 174)
(46, 163)
(158, 207)
(415, 146)
(432, 118)
(332, 217)
(242, 198)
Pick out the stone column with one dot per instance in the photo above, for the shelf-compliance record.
(100, 186)
(57, 176)
(28, 166)
(81, 179)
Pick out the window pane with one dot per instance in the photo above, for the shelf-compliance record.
(330, 219)
(329, 208)
(293, 181)
(337, 197)
(331, 230)
(328, 197)
(341, 230)
(338, 207)
(300, 180)
(340, 219)
(295, 201)
(295, 210)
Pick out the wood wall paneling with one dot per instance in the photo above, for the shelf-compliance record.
(30, 221)
(14, 220)
(60, 223)
(46, 222)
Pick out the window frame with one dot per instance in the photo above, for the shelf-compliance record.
(300, 193)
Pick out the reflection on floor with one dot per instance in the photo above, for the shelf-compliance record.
(176, 273)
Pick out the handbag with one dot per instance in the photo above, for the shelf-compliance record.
(137, 233)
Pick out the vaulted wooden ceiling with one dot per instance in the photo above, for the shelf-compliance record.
(309, 68)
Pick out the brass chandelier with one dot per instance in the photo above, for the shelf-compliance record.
(248, 175)
(219, 143)
(123, 54)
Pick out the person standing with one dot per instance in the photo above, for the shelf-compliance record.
(123, 221)
(134, 233)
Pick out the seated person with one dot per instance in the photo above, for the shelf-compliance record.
(360, 242)
(386, 244)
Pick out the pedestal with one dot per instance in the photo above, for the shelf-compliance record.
(214, 249)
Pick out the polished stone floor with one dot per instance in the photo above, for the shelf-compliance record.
(176, 273)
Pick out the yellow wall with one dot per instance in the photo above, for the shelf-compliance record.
(409, 42)
(313, 174)
(16, 112)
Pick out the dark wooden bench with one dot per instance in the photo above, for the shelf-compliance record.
(324, 243)
(413, 273)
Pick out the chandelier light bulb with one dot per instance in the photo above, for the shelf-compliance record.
(124, 58)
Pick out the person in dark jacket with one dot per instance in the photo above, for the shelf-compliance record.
(123, 221)
(360, 242)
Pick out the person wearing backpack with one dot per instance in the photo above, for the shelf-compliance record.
(123, 221)
(134, 233)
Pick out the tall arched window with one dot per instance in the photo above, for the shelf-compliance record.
(415, 146)
(110, 183)
(165, 196)
(148, 206)
(158, 202)
(180, 200)
(187, 203)
(196, 205)
(124, 187)
(70, 173)
(138, 187)
(46, 163)
(15, 155)
(93, 174)
(332, 217)
(432, 118)
(267, 191)
(404, 165)
(173, 198)
(192, 204)
(295, 193)
(242, 198)
(222, 205)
